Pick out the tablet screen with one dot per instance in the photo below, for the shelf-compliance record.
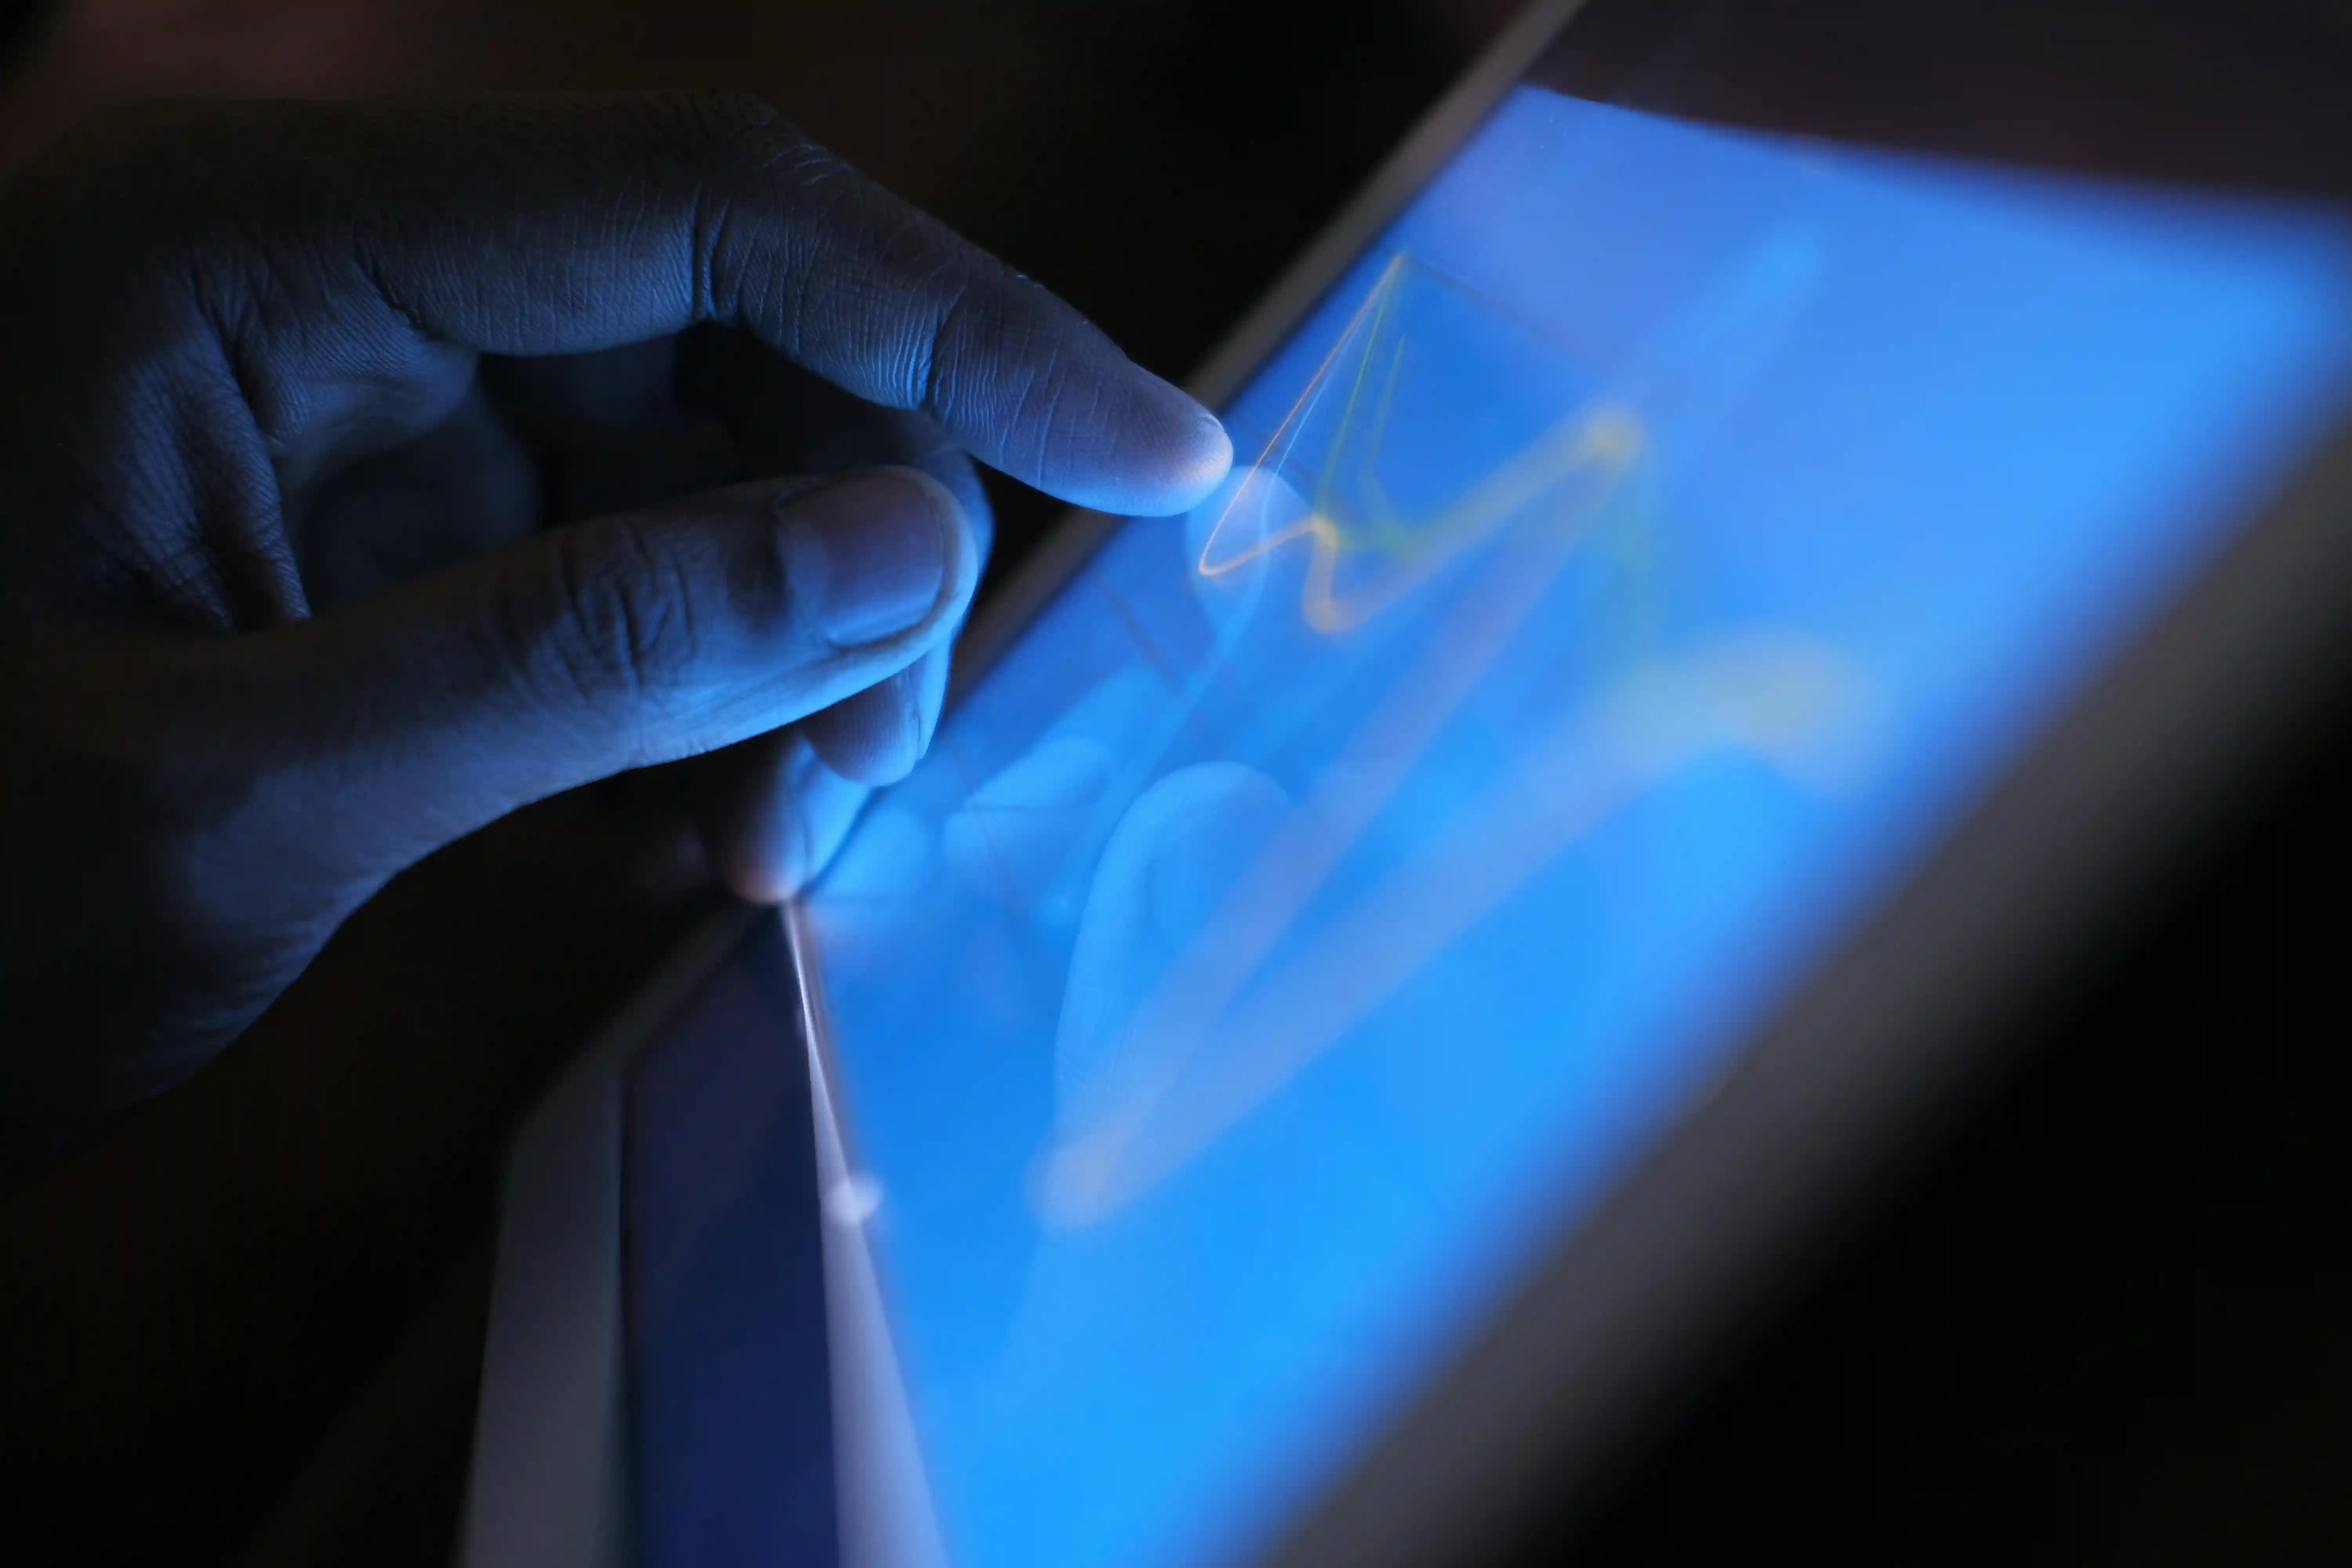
(1636, 559)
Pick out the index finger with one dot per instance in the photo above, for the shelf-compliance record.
(528, 227)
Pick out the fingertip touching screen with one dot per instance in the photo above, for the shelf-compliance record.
(1637, 558)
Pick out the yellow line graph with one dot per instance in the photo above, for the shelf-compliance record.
(1350, 513)
(1262, 987)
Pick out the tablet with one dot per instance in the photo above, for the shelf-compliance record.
(1750, 543)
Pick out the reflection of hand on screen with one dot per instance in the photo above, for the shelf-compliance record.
(1167, 869)
(1026, 836)
(1016, 833)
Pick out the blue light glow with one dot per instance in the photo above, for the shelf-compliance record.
(1638, 556)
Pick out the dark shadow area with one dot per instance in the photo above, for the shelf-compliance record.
(2236, 97)
(2106, 1325)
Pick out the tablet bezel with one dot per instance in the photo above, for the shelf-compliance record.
(1883, 1042)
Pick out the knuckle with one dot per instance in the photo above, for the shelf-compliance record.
(740, 148)
(624, 626)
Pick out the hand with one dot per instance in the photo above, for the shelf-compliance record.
(274, 619)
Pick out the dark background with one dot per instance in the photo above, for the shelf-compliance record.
(2113, 1324)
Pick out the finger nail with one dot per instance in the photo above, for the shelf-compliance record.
(868, 556)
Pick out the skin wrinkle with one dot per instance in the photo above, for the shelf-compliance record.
(235, 322)
(166, 568)
(644, 587)
(227, 510)
(369, 263)
(580, 639)
(237, 503)
(1041, 381)
(143, 566)
(811, 335)
(388, 409)
(402, 383)
(1056, 397)
(1092, 413)
(742, 122)
(793, 285)
(927, 380)
(713, 211)
(901, 231)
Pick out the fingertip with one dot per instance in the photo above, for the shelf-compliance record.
(772, 813)
(1146, 450)
(753, 835)
(1184, 453)
(761, 880)
(828, 806)
(876, 736)
(1212, 460)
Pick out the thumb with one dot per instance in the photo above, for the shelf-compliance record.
(410, 721)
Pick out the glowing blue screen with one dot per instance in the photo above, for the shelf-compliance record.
(1635, 559)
